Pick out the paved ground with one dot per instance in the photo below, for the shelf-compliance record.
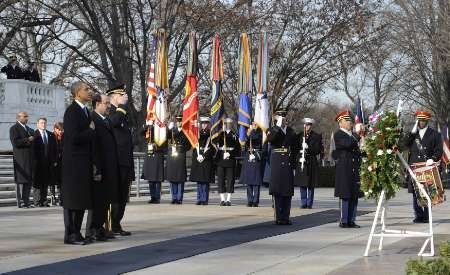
(33, 237)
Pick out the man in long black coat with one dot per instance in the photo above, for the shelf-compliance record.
(45, 160)
(178, 145)
(13, 70)
(202, 168)
(308, 177)
(282, 164)
(106, 169)
(425, 145)
(77, 162)
(122, 134)
(21, 137)
(31, 73)
(153, 168)
(228, 149)
(348, 161)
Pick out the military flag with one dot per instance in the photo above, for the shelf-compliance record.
(262, 101)
(245, 88)
(217, 109)
(162, 87)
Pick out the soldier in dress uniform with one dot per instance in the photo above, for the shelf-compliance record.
(307, 177)
(282, 163)
(176, 174)
(202, 168)
(348, 161)
(253, 167)
(118, 116)
(153, 169)
(227, 145)
(425, 145)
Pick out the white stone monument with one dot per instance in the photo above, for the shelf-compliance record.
(37, 99)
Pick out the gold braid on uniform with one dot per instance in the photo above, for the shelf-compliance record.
(121, 110)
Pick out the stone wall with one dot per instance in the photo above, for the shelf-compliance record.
(39, 100)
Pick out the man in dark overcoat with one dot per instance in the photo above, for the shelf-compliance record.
(228, 148)
(45, 159)
(118, 115)
(425, 146)
(153, 168)
(308, 177)
(77, 164)
(21, 137)
(13, 70)
(106, 169)
(202, 168)
(282, 164)
(252, 171)
(178, 145)
(348, 160)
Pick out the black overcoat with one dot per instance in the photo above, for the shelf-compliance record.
(77, 162)
(45, 159)
(22, 153)
(282, 161)
(176, 162)
(13, 72)
(106, 161)
(348, 160)
(309, 176)
(204, 171)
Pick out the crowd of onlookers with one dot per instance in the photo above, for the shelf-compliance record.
(37, 161)
(14, 71)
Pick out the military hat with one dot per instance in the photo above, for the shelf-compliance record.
(228, 120)
(281, 112)
(205, 119)
(308, 120)
(179, 117)
(117, 90)
(344, 115)
(423, 115)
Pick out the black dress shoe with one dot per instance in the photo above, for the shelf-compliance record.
(109, 235)
(425, 220)
(343, 225)
(418, 220)
(122, 233)
(205, 203)
(222, 203)
(173, 202)
(101, 238)
(303, 207)
(249, 204)
(309, 207)
(255, 205)
(288, 222)
(179, 202)
(198, 203)
(89, 239)
(228, 203)
(73, 242)
(353, 225)
(278, 222)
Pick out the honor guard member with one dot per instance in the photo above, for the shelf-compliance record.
(176, 174)
(202, 168)
(425, 145)
(348, 161)
(253, 167)
(228, 149)
(153, 169)
(118, 116)
(282, 164)
(310, 144)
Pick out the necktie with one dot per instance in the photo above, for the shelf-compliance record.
(44, 135)
(86, 111)
(106, 122)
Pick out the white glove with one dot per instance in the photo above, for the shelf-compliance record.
(414, 129)
(200, 158)
(358, 128)
(305, 145)
(251, 157)
(279, 121)
(226, 155)
(429, 162)
(171, 124)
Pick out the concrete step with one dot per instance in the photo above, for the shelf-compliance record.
(7, 187)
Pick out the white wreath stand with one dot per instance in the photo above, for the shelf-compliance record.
(391, 233)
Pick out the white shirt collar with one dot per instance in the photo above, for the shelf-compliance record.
(23, 125)
(347, 132)
(80, 104)
(100, 115)
(422, 132)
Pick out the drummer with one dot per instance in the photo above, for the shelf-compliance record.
(425, 146)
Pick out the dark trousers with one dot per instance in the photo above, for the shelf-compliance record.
(282, 208)
(155, 190)
(420, 213)
(117, 212)
(40, 194)
(73, 220)
(225, 179)
(177, 190)
(348, 210)
(306, 196)
(202, 191)
(253, 192)
(23, 191)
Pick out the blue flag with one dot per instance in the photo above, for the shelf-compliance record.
(217, 109)
(244, 117)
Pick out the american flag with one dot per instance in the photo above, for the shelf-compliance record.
(151, 86)
(446, 146)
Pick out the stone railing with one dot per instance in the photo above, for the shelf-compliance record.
(39, 100)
